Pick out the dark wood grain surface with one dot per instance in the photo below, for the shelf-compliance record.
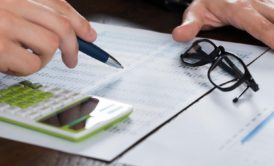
(131, 13)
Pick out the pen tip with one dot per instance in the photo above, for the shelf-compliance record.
(119, 66)
(113, 62)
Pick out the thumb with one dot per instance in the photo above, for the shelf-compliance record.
(192, 24)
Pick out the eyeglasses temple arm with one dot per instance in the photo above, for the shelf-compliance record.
(236, 99)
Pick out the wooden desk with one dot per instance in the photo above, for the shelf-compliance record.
(133, 13)
(143, 14)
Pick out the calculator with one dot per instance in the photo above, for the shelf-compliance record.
(59, 112)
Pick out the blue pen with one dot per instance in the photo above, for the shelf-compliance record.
(94, 51)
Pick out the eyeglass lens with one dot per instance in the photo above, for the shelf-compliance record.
(227, 72)
(198, 52)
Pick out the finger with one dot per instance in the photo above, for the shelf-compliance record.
(256, 25)
(192, 24)
(16, 60)
(30, 36)
(56, 23)
(79, 23)
(266, 8)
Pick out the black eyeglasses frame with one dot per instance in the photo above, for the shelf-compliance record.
(217, 58)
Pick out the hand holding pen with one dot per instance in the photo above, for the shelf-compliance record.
(45, 27)
(42, 28)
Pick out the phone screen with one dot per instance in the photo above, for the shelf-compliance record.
(73, 117)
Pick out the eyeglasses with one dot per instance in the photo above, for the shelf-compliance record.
(227, 71)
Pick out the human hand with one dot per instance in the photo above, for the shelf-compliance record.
(254, 16)
(32, 30)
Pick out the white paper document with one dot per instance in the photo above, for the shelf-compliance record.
(215, 131)
(154, 81)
